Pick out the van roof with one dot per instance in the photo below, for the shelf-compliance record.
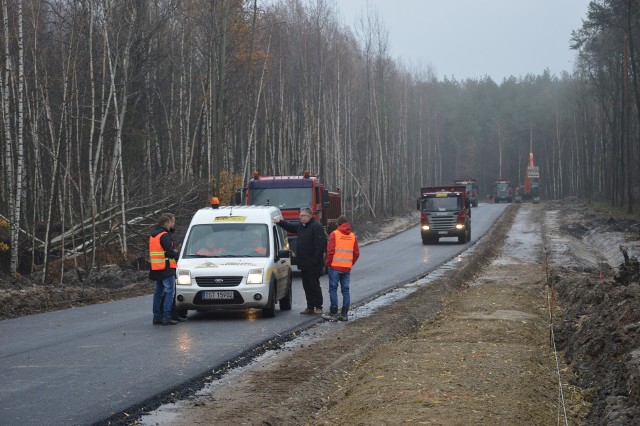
(260, 214)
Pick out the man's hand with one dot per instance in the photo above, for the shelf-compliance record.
(276, 219)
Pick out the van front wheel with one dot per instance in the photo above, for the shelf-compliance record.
(270, 310)
(286, 301)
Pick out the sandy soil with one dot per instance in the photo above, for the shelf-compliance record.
(473, 347)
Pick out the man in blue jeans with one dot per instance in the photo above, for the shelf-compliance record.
(163, 258)
(342, 254)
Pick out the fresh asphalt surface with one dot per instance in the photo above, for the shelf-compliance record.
(79, 366)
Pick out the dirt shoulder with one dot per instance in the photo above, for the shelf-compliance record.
(470, 348)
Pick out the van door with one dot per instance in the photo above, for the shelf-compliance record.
(283, 266)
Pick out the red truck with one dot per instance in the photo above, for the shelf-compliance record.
(445, 211)
(472, 189)
(290, 194)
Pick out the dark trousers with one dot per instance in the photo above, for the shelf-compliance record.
(311, 286)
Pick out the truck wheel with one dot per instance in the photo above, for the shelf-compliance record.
(270, 310)
(462, 238)
(286, 301)
(182, 312)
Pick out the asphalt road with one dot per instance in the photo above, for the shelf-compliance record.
(79, 366)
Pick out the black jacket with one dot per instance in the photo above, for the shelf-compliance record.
(310, 245)
(166, 241)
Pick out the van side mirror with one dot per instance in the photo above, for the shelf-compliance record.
(284, 254)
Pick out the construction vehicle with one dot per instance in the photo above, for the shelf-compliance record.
(290, 194)
(501, 190)
(445, 211)
(472, 189)
(531, 189)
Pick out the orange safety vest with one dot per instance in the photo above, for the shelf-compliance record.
(343, 256)
(156, 254)
(261, 250)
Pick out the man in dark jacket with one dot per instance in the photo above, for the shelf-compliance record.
(310, 247)
(163, 258)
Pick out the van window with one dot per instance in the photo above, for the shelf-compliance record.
(228, 240)
(282, 243)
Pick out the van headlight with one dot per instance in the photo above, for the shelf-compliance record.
(255, 276)
(184, 278)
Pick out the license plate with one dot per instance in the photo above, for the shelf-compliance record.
(443, 232)
(217, 295)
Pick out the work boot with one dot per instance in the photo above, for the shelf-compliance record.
(332, 315)
(344, 315)
(307, 311)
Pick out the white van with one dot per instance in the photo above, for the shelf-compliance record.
(234, 257)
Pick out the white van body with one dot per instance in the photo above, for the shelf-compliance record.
(234, 257)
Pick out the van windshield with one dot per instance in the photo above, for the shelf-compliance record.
(228, 240)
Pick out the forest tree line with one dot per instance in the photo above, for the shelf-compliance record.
(114, 111)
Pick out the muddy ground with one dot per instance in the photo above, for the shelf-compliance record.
(472, 347)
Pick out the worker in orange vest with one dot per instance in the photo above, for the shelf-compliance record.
(342, 254)
(210, 248)
(256, 244)
(163, 258)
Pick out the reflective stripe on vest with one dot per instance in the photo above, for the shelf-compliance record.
(343, 256)
(156, 254)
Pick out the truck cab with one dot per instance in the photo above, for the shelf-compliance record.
(502, 190)
(472, 189)
(444, 212)
(290, 194)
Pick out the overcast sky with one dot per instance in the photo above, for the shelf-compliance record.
(474, 38)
